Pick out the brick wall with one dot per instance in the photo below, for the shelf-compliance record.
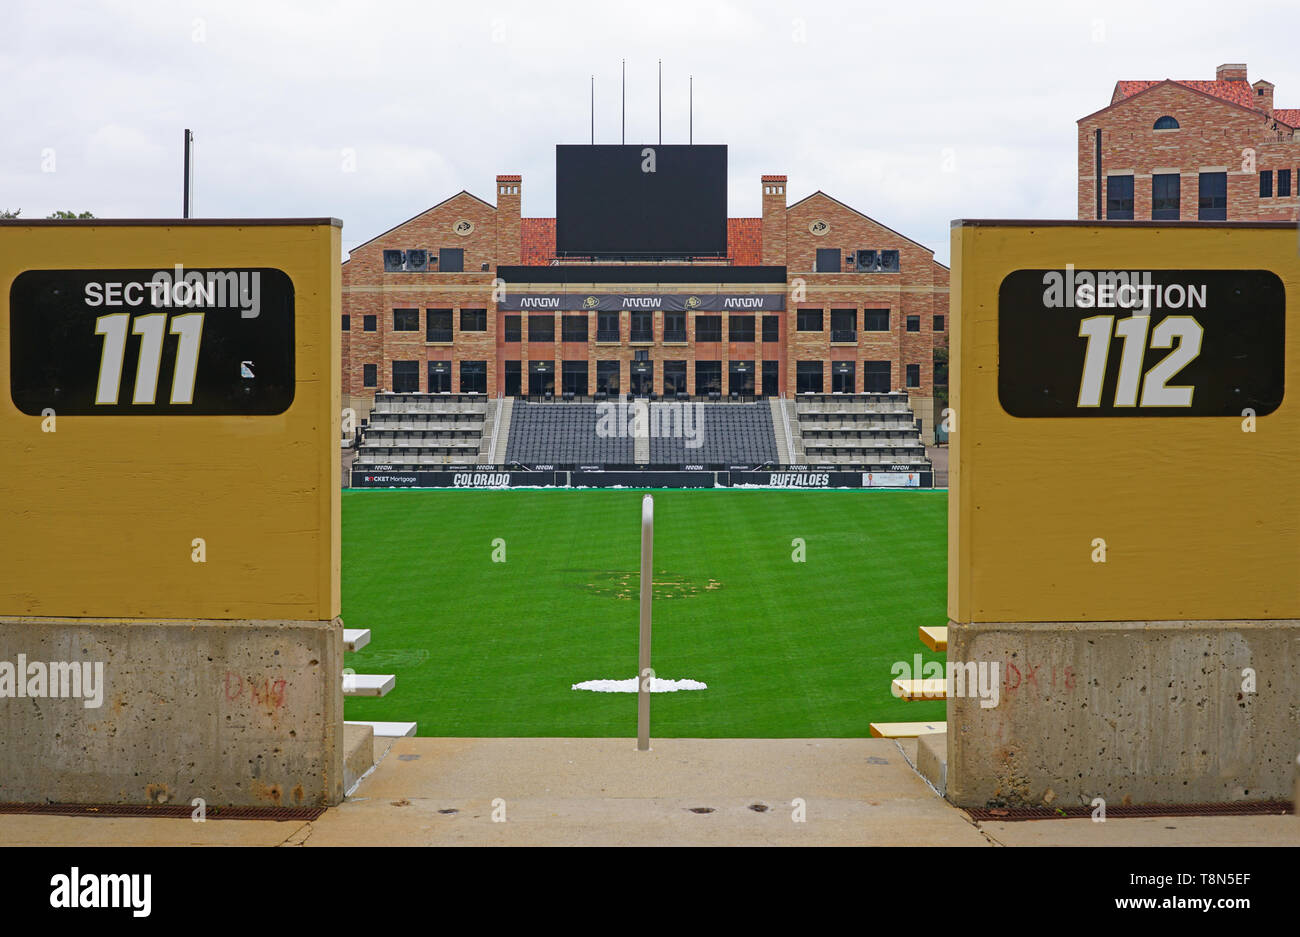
(500, 236)
(1213, 134)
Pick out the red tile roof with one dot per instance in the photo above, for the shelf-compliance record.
(538, 241)
(1288, 115)
(1237, 92)
(744, 241)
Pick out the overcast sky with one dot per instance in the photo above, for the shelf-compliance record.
(914, 113)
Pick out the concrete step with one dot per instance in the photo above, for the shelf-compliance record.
(905, 730)
(933, 688)
(932, 759)
(934, 637)
(388, 730)
(358, 752)
(354, 639)
(368, 684)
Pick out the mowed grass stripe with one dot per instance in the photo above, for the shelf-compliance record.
(788, 649)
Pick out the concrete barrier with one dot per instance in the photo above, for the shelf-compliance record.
(239, 713)
(1133, 712)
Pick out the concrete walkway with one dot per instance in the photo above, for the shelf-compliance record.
(603, 792)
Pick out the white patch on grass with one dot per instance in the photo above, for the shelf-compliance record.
(657, 685)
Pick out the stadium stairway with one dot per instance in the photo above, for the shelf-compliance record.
(936, 639)
(413, 431)
(359, 736)
(859, 429)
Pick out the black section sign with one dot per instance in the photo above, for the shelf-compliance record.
(1141, 342)
(168, 341)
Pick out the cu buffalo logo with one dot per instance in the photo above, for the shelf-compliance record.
(591, 302)
(693, 302)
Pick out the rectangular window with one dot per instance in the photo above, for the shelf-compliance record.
(1266, 183)
(938, 323)
(913, 323)
(844, 325)
(541, 328)
(451, 260)
(708, 329)
(808, 320)
(1119, 198)
(771, 378)
(573, 379)
(513, 329)
(740, 378)
(708, 376)
(674, 326)
(828, 260)
(889, 262)
(876, 377)
(875, 320)
(394, 260)
(913, 375)
(406, 377)
(675, 377)
(740, 329)
(1283, 183)
(843, 375)
(1213, 197)
(369, 323)
(808, 377)
(347, 323)
(473, 320)
(607, 327)
(771, 328)
(607, 377)
(440, 377)
(406, 320)
(1166, 196)
(473, 377)
(541, 378)
(574, 329)
(437, 325)
(642, 327)
(514, 379)
(369, 375)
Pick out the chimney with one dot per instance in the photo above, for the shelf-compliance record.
(774, 220)
(1230, 73)
(509, 238)
(1263, 96)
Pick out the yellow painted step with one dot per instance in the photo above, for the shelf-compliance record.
(905, 730)
(934, 688)
(935, 638)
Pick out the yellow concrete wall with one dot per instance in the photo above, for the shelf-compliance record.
(98, 517)
(1201, 520)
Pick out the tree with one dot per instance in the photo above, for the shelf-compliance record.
(69, 215)
(6, 213)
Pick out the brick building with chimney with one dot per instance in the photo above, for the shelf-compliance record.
(1190, 150)
(470, 297)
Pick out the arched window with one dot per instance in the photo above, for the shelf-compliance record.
(1166, 123)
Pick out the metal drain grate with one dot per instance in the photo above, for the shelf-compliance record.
(164, 811)
(1119, 811)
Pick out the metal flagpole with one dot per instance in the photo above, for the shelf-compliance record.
(187, 195)
(644, 671)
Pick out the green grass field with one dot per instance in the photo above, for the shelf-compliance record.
(788, 649)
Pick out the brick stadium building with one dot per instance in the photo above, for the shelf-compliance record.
(471, 297)
(1190, 150)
